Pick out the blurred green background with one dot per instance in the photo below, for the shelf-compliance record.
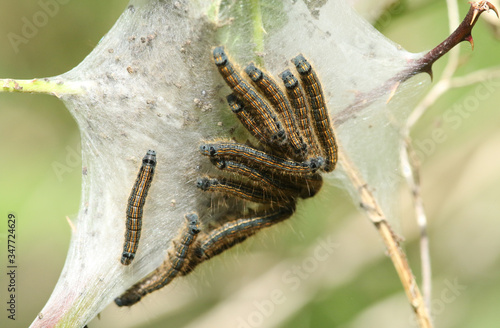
(356, 286)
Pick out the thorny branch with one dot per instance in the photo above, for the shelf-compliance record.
(422, 65)
(461, 33)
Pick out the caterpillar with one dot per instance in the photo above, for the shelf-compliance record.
(135, 205)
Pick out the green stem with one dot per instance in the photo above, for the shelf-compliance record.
(56, 88)
(258, 29)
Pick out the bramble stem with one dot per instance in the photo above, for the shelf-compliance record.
(424, 64)
(461, 33)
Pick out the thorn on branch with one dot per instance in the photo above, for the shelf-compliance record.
(422, 65)
(462, 33)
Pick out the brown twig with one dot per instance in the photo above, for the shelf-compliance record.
(376, 215)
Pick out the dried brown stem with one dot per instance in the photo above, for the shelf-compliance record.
(370, 205)
(411, 169)
(411, 166)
